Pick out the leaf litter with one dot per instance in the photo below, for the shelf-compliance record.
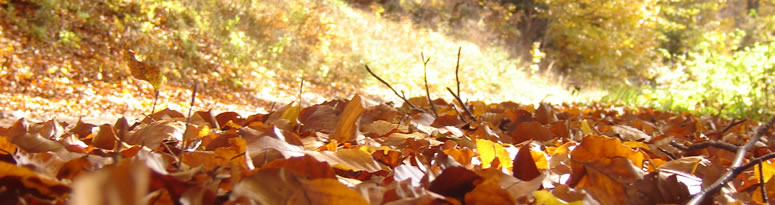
(353, 152)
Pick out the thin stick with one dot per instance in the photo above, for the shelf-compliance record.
(720, 134)
(188, 121)
(155, 97)
(735, 169)
(670, 155)
(705, 144)
(425, 78)
(394, 90)
(465, 108)
(301, 90)
(457, 69)
(761, 184)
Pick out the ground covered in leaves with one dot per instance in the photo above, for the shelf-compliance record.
(353, 152)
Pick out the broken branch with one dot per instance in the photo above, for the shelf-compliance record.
(394, 90)
(736, 167)
(705, 144)
(465, 108)
(425, 78)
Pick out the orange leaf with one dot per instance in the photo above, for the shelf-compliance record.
(347, 127)
(489, 151)
(305, 166)
(22, 181)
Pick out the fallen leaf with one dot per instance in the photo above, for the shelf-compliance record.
(489, 151)
(326, 192)
(106, 137)
(154, 133)
(489, 192)
(125, 184)
(454, 182)
(347, 126)
(305, 166)
(18, 181)
(524, 166)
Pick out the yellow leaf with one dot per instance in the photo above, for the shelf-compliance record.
(539, 159)
(291, 114)
(325, 192)
(544, 197)
(489, 150)
(489, 192)
(347, 127)
(585, 128)
(768, 168)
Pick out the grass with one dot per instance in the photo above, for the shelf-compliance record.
(259, 45)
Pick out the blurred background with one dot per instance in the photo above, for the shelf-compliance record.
(63, 58)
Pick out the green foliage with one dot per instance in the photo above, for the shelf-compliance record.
(600, 39)
(736, 85)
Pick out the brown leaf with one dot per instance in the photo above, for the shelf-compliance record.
(628, 133)
(454, 182)
(318, 118)
(125, 184)
(349, 159)
(74, 167)
(106, 138)
(82, 129)
(29, 140)
(305, 166)
(278, 186)
(154, 133)
(530, 130)
(225, 117)
(447, 120)
(524, 166)
(167, 113)
(545, 114)
(489, 192)
(19, 181)
(347, 126)
(326, 192)
(269, 186)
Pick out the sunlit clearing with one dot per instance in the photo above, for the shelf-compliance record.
(392, 49)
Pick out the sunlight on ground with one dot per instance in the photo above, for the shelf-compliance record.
(392, 50)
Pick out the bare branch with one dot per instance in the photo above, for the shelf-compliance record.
(736, 167)
(457, 69)
(155, 98)
(761, 185)
(188, 121)
(705, 144)
(720, 134)
(425, 78)
(394, 90)
(465, 108)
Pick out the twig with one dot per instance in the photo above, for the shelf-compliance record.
(457, 69)
(425, 78)
(301, 90)
(720, 134)
(735, 167)
(155, 98)
(669, 154)
(394, 90)
(465, 108)
(761, 184)
(188, 121)
(705, 144)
